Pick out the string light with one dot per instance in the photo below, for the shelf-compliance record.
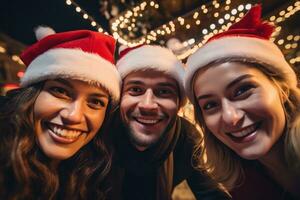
(85, 15)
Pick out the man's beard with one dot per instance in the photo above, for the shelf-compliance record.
(136, 141)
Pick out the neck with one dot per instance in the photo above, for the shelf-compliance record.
(274, 160)
(54, 164)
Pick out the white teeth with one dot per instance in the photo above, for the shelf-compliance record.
(66, 133)
(148, 121)
(244, 132)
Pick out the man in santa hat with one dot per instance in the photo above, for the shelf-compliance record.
(153, 145)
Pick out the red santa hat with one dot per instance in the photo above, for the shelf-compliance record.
(151, 57)
(248, 38)
(82, 55)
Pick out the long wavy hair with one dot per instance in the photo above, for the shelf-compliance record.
(25, 170)
(218, 154)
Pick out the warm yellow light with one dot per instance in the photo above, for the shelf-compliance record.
(93, 23)
(288, 46)
(198, 22)
(100, 30)
(280, 42)
(234, 12)
(294, 45)
(272, 18)
(78, 9)
(227, 16)
(221, 21)
(282, 13)
(248, 6)
(15, 58)
(241, 7)
(2, 49)
(195, 15)
(188, 26)
(68, 2)
(279, 19)
(289, 37)
(85, 16)
(216, 14)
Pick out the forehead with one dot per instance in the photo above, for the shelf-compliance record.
(149, 77)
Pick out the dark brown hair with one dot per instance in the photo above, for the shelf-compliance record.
(25, 169)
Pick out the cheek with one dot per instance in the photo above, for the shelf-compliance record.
(211, 123)
(127, 102)
(45, 105)
(170, 107)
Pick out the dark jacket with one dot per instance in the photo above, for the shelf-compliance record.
(136, 173)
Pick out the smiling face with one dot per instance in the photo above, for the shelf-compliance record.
(67, 115)
(150, 101)
(242, 107)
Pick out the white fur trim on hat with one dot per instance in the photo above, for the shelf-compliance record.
(263, 51)
(74, 64)
(153, 57)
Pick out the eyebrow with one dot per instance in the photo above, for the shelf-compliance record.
(240, 78)
(135, 82)
(173, 86)
(100, 94)
(231, 84)
(68, 84)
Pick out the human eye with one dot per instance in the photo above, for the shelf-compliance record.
(59, 92)
(134, 90)
(209, 105)
(243, 90)
(165, 92)
(97, 103)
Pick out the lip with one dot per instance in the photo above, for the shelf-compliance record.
(246, 134)
(148, 121)
(59, 138)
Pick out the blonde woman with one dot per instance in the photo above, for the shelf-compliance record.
(247, 102)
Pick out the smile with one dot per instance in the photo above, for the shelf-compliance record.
(66, 133)
(244, 131)
(146, 121)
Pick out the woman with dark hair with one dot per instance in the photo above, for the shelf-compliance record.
(247, 103)
(53, 126)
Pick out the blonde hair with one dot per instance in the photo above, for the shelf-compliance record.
(225, 165)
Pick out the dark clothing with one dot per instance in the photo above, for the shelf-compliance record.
(138, 175)
(258, 185)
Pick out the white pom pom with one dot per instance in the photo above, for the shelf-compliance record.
(43, 31)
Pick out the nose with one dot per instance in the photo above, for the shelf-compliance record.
(73, 112)
(148, 102)
(231, 114)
